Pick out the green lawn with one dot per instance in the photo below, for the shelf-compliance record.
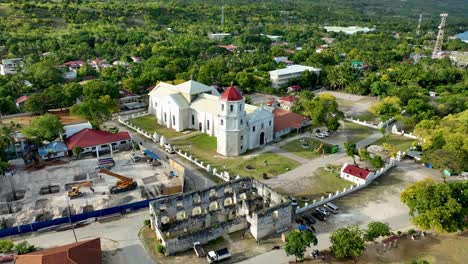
(203, 147)
(149, 124)
(400, 142)
(326, 181)
(355, 132)
(368, 116)
(295, 147)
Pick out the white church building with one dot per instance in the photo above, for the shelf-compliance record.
(236, 125)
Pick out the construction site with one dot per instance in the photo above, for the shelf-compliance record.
(70, 186)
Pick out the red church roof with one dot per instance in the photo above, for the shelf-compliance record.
(356, 171)
(231, 94)
(284, 119)
(93, 137)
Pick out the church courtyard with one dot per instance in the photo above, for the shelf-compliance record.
(149, 124)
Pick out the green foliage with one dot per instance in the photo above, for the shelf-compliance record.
(351, 150)
(376, 230)
(322, 109)
(97, 88)
(439, 206)
(47, 127)
(77, 150)
(298, 241)
(146, 222)
(6, 246)
(96, 111)
(160, 249)
(7, 105)
(387, 108)
(419, 261)
(86, 70)
(347, 242)
(44, 75)
(377, 161)
(24, 248)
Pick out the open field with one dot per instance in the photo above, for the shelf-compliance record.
(203, 147)
(400, 142)
(149, 124)
(355, 106)
(65, 118)
(240, 249)
(305, 147)
(355, 132)
(42, 193)
(320, 183)
(435, 248)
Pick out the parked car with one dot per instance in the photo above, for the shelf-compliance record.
(332, 208)
(322, 210)
(319, 216)
(310, 220)
(319, 135)
(325, 133)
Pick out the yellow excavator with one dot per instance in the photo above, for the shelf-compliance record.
(124, 184)
(75, 190)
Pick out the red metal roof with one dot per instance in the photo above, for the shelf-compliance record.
(356, 171)
(295, 87)
(72, 63)
(85, 252)
(284, 119)
(231, 94)
(289, 98)
(270, 102)
(93, 137)
(22, 99)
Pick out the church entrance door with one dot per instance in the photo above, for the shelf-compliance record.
(262, 138)
(200, 126)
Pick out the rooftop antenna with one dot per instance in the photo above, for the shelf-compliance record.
(419, 25)
(440, 36)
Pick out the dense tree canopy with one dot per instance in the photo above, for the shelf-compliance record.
(47, 127)
(347, 242)
(298, 241)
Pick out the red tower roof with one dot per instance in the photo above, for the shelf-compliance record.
(231, 94)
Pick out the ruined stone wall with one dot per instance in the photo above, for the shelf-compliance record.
(270, 221)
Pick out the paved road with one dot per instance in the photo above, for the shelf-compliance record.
(119, 239)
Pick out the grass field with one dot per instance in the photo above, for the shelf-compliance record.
(64, 116)
(203, 147)
(400, 142)
(296, 147)
(149, 124)
(357, 132)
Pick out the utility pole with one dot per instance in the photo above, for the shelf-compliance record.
(69, 220)
(418, 29)
(440, 36)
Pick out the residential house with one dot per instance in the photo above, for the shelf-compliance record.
(294, 89)
(283, 59)
(72, 129)
(130, 101)
(356, 174)
(74, 64)
(83, 252)
(21, 101)
(272, 103)
(287, 122)
(93, 140)
(230, 48)
(282, 77)
(218, 36)
(10, 66)
(287, 102)
(53, 150)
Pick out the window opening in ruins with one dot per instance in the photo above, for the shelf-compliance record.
(243, 196)
(213, 193)
(165, 219)
(196, 198)
(180, 204)
(227, 201)
(227, 189)
(196, 211)
(162, 207)
(213, 206)
(181, 215)
(275, 214)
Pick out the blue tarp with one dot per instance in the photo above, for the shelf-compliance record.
(53, 147)
(302, 227)
(150, 154)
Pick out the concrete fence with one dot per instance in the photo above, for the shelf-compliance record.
(402, 133)
(370, 124)
(352, 188)
(123, 119)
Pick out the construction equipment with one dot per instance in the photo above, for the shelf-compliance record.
(75, 190)
(124, 184)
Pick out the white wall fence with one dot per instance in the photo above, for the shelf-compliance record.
(370, 124)
(352, 188)
(402, 133)
(224, 175)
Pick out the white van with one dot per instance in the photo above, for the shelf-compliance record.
(332, 208)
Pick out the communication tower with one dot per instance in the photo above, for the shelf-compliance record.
(440, 36)
(419, 25)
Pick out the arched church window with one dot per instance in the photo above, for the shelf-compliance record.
(207, 124)
(222, 107)
(222, 122)
(231, 108)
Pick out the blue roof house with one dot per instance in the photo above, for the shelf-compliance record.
(53, 150)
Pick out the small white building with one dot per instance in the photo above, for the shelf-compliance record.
(356, 174)
(10, 66)
(281, 77)
(236, 125)
(218, 36)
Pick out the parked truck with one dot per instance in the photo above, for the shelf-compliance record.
(218, 255)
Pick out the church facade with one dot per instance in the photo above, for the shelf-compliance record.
(236, 125)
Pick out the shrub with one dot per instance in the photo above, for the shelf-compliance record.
(411, 232)
(146, 222)
(160, 248)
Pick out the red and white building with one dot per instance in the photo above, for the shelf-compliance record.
(356, 174)
(287, 102)
(93, 140)
(21, 101)
(286, 122)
